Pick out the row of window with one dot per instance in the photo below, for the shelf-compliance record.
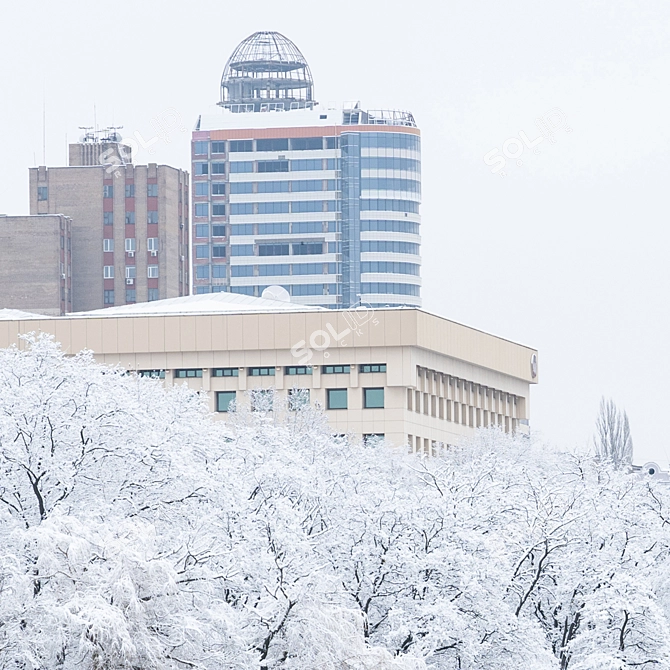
(281, 144)
(275, 269)
(108, 191)
(131, 294)
(376, 205)
(386, 267)
(390, 163)
(293, 289)
(203, 188)
(373, 398)
(298, 249)
(237, 167)
(295, 228)
(391, 141)
(202, 209)
(108, 217)
(295, 186)
(295, 207)
(389, 246)
(108, 272)
(388, 287)
(130, 244)
(291, 370)
(390, 184)
(403, 226)
(203, 271)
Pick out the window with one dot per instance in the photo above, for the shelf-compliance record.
(389, 288)
(390, 206)
(309, 164)
(131, 272)
(336, 398)
(130, 218)
(241, 270)
(108, 218)
(372, 439)
(307, 249)
(218, 210)
(201, 168)
(202, 230)
(297, 399)
(382, 267)
(273, 187)
(273, 207)
(200, 148)
(377, 367)
(131, 296)
(202, 271)
(240, 146)
(390, 184)
(334, 247)
(225, 372)
(224, 400)
(242, 290)
(239, 208)
(152, 190)
(242, 250)
(108, 272)
(391, 141)
(202, 188)
(241, 166)
(306, 143)
(202, 251)
(336, 369)
(130, 190)
(273, 228)
(242, 187)
(331, 142)
(42, 193)
(307, 185)
(389, 246)
(108, 191)
(219, 271)
(219, 251)
(242, 229)
(390, 163)
(307, 268)
(152, 216)
(298, 370)
(313, 289)
(108, 245)
(273, 166)
(307, 206)
(261, 372)
(273, 249)
(152, 244)
(332, 164)
(307, 227)
(272, 145)
(201, 289)
(187, 374)
(218, 168)
(109, 297)
(373, 398)
(218, 188)
(152, 374)
(152, 271)
(273, 270)
(218, 147)
(201, 209)
(218, 231)
(130, 244)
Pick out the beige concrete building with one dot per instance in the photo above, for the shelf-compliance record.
(35, 264)
(404, 373)
(129, 224)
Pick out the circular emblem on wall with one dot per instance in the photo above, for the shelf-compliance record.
(533, 366)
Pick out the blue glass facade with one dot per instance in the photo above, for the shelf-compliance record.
(336, 224)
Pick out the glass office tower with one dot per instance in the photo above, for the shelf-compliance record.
(323, 202)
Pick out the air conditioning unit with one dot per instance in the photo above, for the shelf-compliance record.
(131, 253)
(130, 282)
(154, 253)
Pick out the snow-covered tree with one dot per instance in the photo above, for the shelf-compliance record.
(613, 440)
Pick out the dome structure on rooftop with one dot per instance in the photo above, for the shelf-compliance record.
(266, 72)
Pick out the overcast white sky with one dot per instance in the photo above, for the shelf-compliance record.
(567, 253)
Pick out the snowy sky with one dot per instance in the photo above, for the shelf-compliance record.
(567, 253)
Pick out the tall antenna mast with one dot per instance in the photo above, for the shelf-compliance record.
(44, 125)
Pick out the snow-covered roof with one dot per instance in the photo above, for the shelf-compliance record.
(207, 303)
(223, 119)
(18, 315)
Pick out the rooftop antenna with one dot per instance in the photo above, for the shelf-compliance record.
(44, 125)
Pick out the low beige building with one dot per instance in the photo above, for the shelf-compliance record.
(403, 373)
(35, 264)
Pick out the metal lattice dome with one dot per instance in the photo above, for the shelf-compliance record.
(266, 72)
